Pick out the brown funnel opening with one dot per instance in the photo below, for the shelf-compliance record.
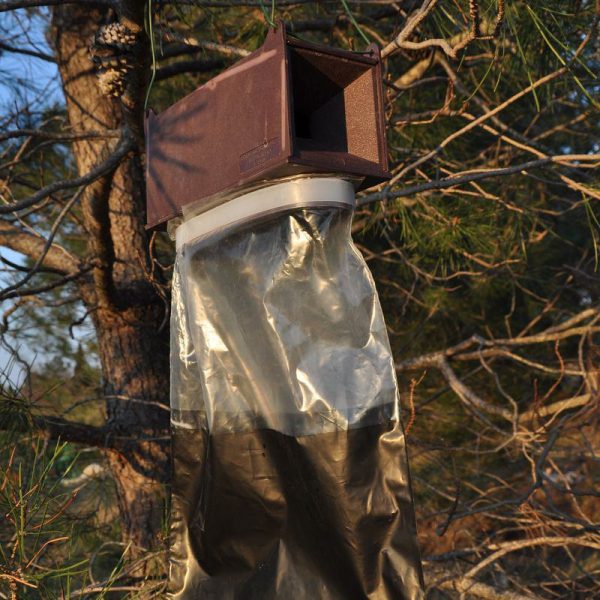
(333, 105)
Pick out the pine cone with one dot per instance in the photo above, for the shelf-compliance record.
(112, 82)
(115, 36)
(112, 51)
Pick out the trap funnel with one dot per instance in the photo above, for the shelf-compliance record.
(289, 108)
(290, 472)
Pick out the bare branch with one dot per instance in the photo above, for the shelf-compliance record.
(19, 240)
(16, 4)
(47, 245)
(459, 350)
(259, 3)
(469, 176)
(402, 39)
(48, 287)
(557, 407)
(193, 45)
(59, 137)
(497, 347)
(27, 52)
(465, 585)
(500, 107)
(110, 164)
(467, 395)
(509, 547)
(189, 66)
(448, 182)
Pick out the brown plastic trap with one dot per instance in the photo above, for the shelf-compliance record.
(289, 108)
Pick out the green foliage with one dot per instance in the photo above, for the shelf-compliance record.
(48, 540)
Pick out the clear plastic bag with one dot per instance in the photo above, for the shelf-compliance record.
(290, 470)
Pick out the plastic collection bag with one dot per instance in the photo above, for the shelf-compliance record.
(290, 472)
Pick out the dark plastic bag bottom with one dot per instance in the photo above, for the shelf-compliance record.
(262, 515)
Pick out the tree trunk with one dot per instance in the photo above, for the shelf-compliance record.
(135, 370)
(119, 292)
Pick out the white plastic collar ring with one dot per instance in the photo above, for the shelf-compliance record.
(298, 193)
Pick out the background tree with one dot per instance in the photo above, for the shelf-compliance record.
(483, 246)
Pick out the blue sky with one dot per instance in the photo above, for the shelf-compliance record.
(36, 81)
(24, 81)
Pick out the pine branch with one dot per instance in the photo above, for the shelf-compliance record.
(77, 433)
(104, 437)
